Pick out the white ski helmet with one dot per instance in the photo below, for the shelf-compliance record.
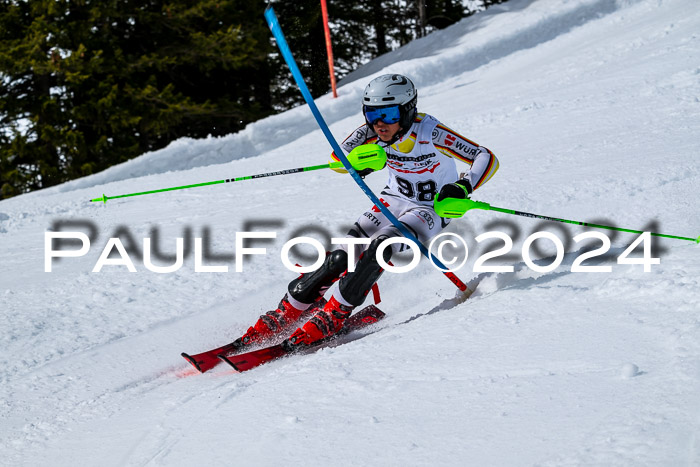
(390, 90)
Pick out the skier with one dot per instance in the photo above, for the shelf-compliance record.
(421, 155)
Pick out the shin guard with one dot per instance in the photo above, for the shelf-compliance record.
(308, 287)
(355, 286)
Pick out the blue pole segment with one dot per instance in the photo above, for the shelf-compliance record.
(274, 25)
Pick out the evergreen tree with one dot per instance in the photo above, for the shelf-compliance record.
(86, 85)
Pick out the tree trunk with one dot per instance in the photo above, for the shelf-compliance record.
(379, 28)
(422, 20)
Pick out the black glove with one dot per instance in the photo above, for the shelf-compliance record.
(364, 172)
(461, 189)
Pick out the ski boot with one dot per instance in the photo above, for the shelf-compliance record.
(273, 323)
(353, 288)
(325, 323)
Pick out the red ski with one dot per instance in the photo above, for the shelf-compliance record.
(246, 361)
(205, 361)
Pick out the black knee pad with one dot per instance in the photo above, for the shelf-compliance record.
(307, 288)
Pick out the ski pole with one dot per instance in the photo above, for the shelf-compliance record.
(332, 165)
(472, 204)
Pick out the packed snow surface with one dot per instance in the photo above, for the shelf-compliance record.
(592, 107)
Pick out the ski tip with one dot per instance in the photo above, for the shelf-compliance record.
(192, 361)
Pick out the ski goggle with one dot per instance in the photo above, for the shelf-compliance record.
(387, 115)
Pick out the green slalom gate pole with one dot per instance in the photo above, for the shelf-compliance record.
(471, 204)
(332, 165)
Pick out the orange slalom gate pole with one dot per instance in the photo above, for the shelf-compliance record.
(329, 48)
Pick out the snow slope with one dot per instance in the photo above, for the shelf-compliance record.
(593, 109)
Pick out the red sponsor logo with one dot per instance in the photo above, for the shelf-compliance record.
(376, 209)
(430, 169)
(450, 140)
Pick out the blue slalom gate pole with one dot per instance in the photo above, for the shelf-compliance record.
(274, 25)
